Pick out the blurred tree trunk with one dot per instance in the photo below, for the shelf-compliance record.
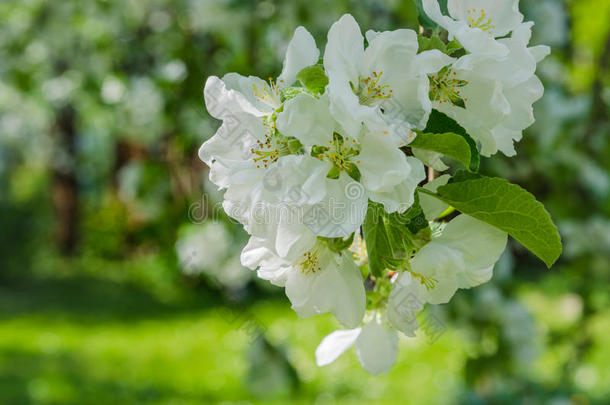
(65, 185)
(125, 152)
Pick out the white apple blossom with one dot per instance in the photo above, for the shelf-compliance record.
(376, 346)
(492, 98)
(388, 176)
(316, 279)
(476, 23)
(296, 194)
(462, 255)
(247, 140)
(386, 82)
(304, 165)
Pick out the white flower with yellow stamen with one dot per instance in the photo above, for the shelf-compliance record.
(476, 23)
(316, 279)
(386, 174)
(302, 164)
(461, 256)
(247, 139)
(492, 99)
(384, 84)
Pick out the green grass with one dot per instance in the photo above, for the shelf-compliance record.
(89, 341)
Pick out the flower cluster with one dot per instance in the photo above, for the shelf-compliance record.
(321, 168)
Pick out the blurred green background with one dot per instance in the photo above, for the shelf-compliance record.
(120, 280)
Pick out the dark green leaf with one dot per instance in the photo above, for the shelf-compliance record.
(440, 123)
(463, 175)
(507, 207)
(376, 239)
(449, 144)
(424, 20)
(392, 238)
(413, 218)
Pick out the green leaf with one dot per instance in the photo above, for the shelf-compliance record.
(338, 245)
(453, 47)
(463, 175)
(410, 230)
(413, 218)
(377, 240)
(424, 20)
(449, 144)
(430, 159)
(313, 78)
(507, 207)
(434, 42)
(439, 123)
(392, 238)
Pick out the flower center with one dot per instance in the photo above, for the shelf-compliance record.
(370, 91)
(309, 262)
(444, 88)
(478, 19)
(274, 145)
(340, 153)
(265, 154)
(269, 94)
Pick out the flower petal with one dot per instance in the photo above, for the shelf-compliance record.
(405, 302)
(480, 244)
(401, 197)
(381, 165)
(440, 264)
(270, 267)
(223, 102)
(299, 289)
(308, 119)
(339, 289)
(335, 344)
(301, 53)
(486, 107)
(433, 207)
(390, 53)
(344, 49)
(432, 61)
(473, 40)
(504, 14)
(521, 99)
(341, 212)
(258, 92)
(377, 348)
(540, 52)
